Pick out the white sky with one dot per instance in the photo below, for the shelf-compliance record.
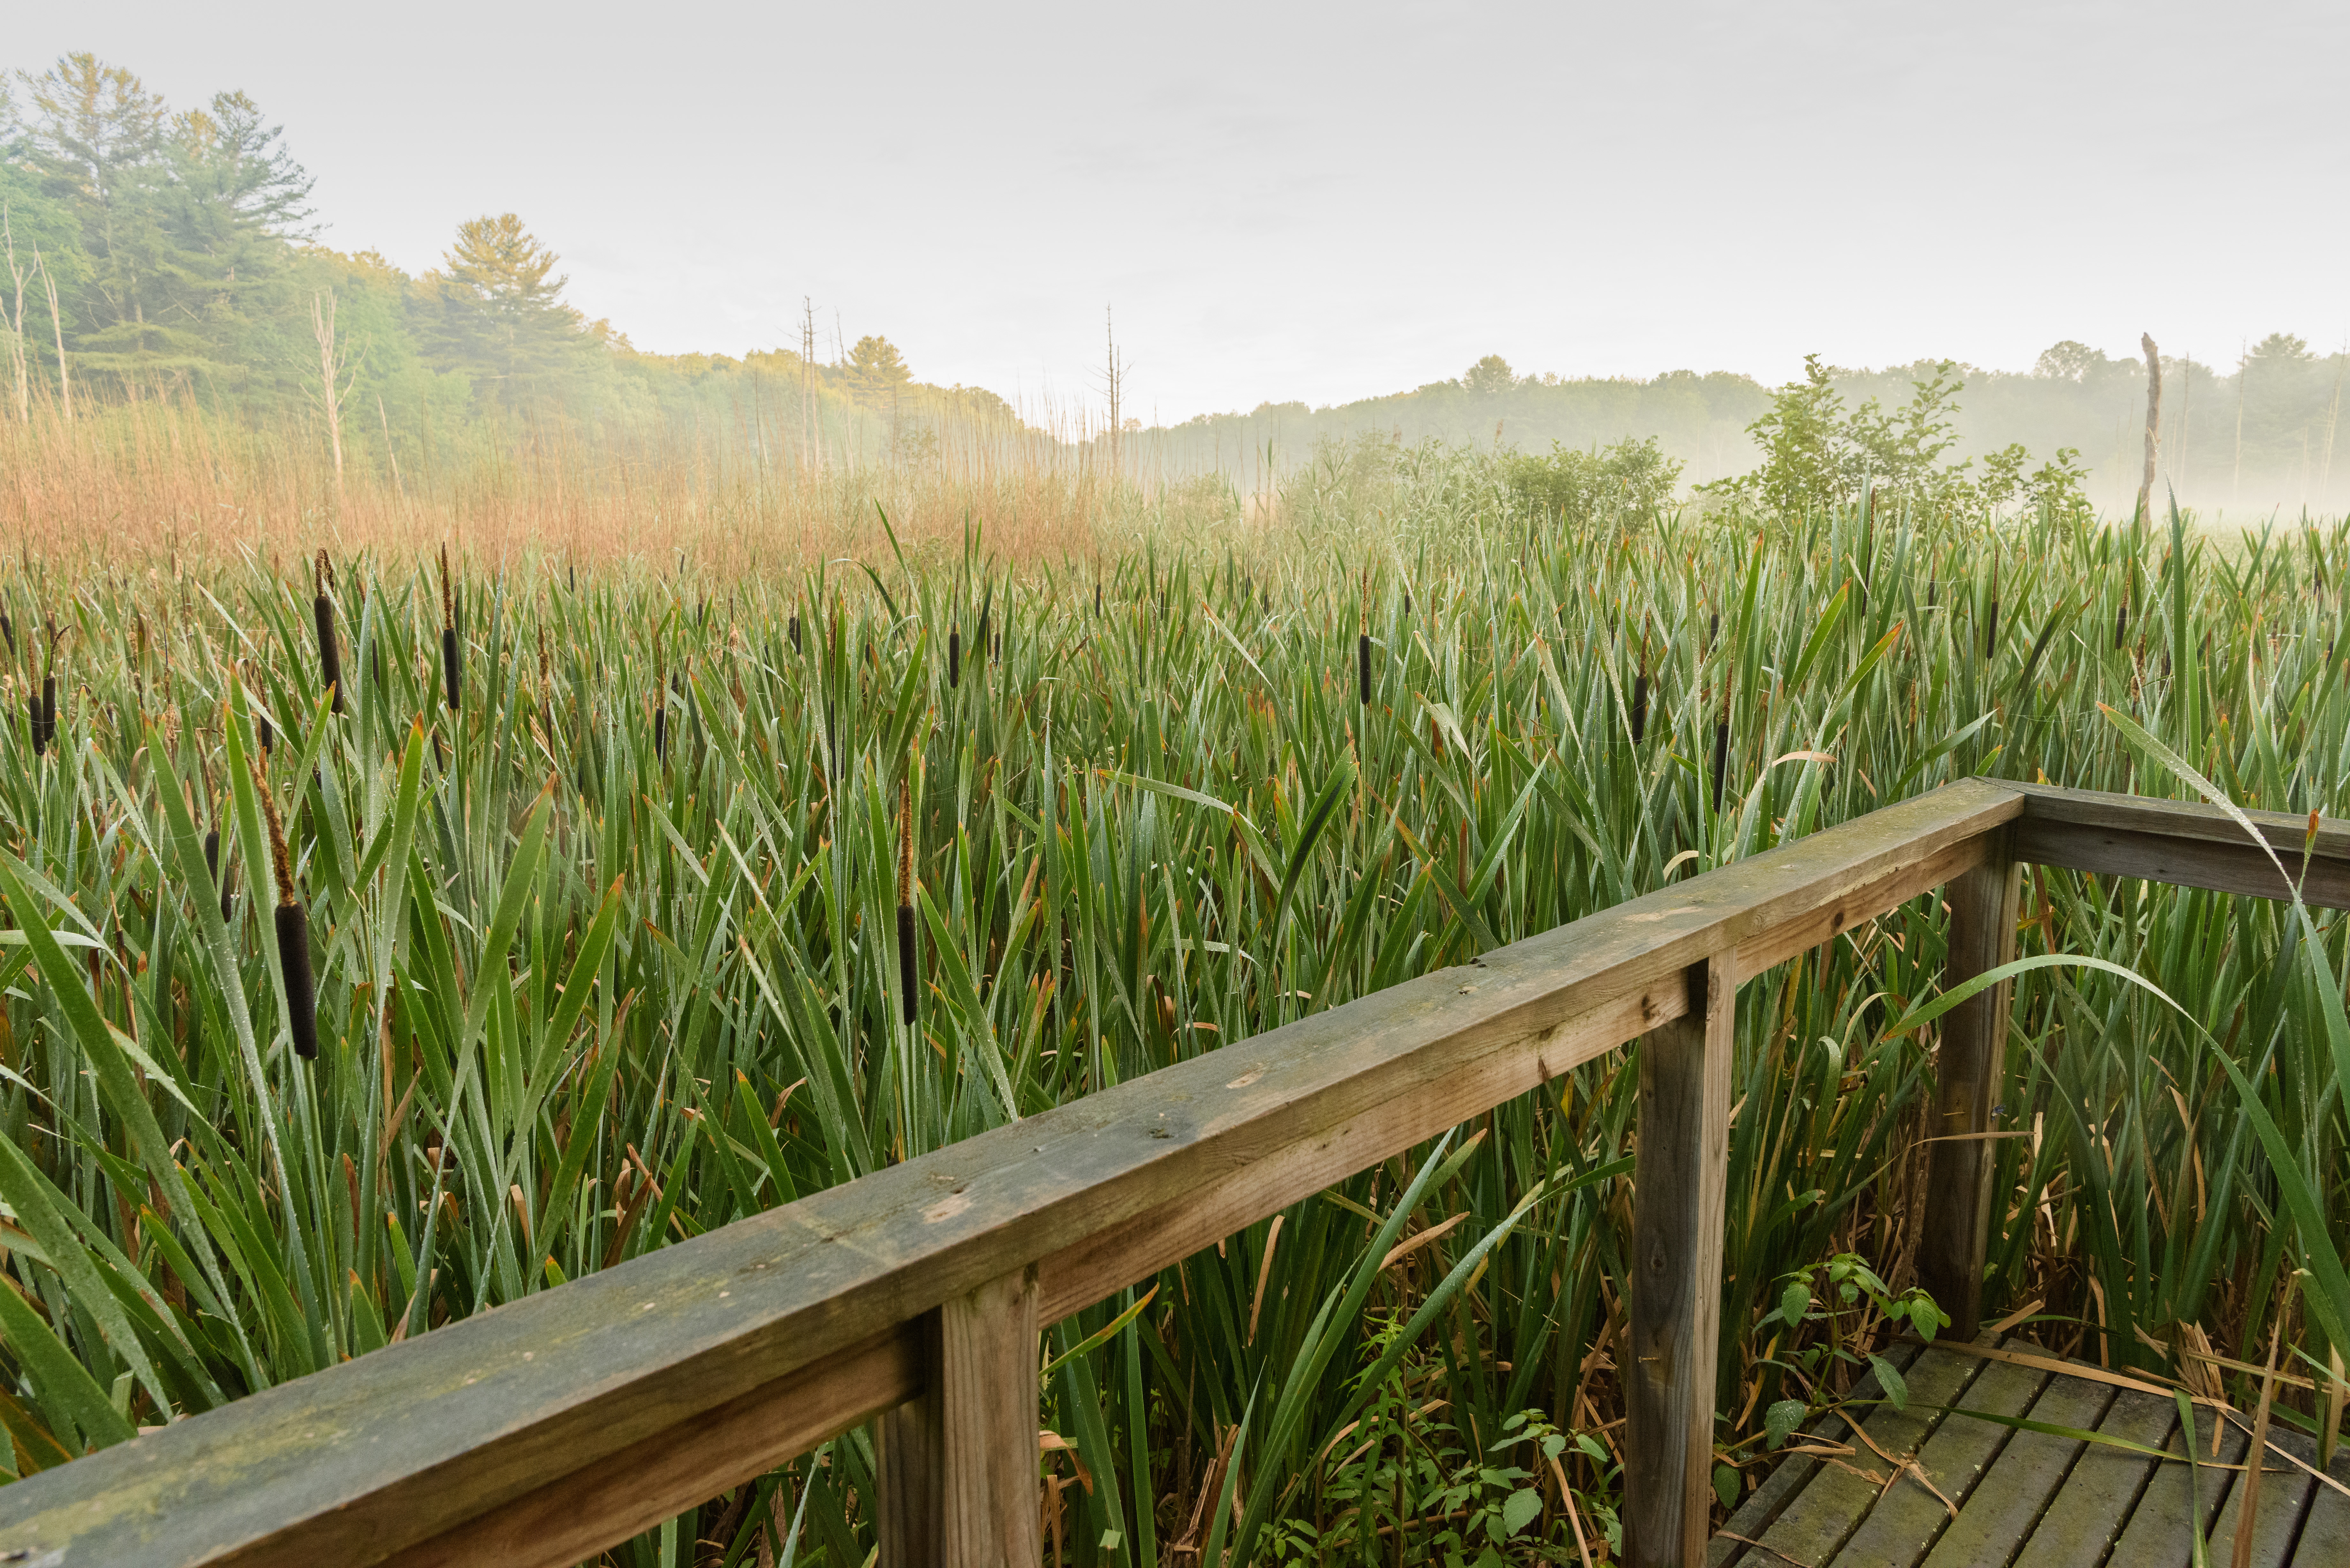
(1328, 202)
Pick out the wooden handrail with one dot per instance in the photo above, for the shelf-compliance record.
(548, 1428)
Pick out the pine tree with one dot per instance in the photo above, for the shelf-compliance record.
(498, 312)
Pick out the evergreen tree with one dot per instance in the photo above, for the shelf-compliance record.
(876, 369)
(496, 311)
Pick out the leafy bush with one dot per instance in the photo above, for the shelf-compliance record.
(1816, 455)
(1632, 477)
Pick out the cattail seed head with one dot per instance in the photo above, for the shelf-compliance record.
(2121, 624)
(906, 975)
(1363, 668)
(954, 657)
(301, 994)
(1639, 706)
(213, 865)
(293, 932)
(37, 723)
(1991, 628)
(661, 731)
(330, 659)
(1720, 757)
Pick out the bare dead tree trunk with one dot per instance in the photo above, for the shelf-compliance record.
(2153, 423)
(391, 450)
(57, 324)
(1117, 394)
(16, 354)
(2244, 376)
(337, 377)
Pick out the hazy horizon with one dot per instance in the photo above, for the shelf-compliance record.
(1280, 209)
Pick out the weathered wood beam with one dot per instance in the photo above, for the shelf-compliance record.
(1682, 1165)
(1972, 1065)
(2185, 843)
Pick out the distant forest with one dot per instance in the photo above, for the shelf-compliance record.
(2258, 436)
(159, 253)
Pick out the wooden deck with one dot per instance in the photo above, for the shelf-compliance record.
(2029, 1500)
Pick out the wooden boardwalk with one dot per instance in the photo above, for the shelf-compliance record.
(2029, 1500)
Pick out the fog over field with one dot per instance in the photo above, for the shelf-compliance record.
(1299, 230)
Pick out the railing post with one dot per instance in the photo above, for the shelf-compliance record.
(958, 1466)
(1973, 1058)
(1681, 1168)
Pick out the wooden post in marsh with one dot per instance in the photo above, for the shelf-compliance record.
(907, 1443)
(1681, 1166)
(2153, 423)
(958, 1465)
(1973, 1057)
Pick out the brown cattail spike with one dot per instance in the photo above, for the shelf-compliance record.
(213, 865)
(292, 933)
(906, 976)
(1721, 756)
(330, 659)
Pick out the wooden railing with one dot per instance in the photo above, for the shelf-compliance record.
(549, 1428)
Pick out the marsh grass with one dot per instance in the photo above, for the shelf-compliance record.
(582, 990)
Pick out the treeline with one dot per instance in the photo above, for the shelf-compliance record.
(159, 255)
(2256, 436)
(160, 252)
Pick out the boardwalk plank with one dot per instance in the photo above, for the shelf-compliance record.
(2286, 1490)
(1819, 1522)
(2156, 1536)
(2031, 1468)
(1763, 1506)
(2325, 1533)
(1902, 1528)
(2104, 1485)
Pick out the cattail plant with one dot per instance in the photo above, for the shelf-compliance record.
(1720, 752)
(292, 933)
(448, 666)
(954, 657)
(2121, 620)
(1640, 705)
(1363, 665)
(48, 715)
(213, 865)
(1991, 620)
(330, 659)
(906, 977)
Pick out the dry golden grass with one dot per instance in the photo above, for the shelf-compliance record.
(162, 477)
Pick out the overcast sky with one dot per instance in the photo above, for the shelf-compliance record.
(1326, 202)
